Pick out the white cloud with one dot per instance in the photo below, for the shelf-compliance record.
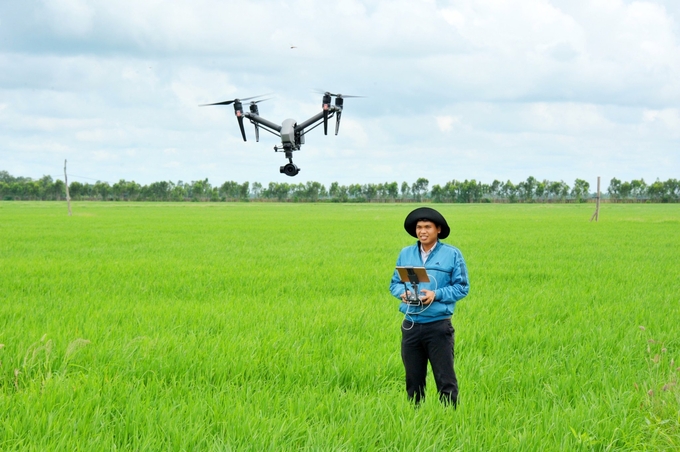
(515, 87)
(445, 123)
(668, 120)
(104, 156)
(69, 17)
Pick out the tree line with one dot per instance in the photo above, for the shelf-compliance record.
(467, 191)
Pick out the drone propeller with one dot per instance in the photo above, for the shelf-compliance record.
(229, 102)
(335, 95)
(326, 104)
(238, 110)
(339, 100)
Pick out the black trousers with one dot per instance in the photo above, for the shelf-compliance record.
(423, 342)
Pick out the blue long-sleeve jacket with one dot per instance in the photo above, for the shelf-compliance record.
(448, 279)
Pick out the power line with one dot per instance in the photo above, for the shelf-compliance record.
(88, 178)
(61, 177)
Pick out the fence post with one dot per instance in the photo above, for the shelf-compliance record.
(68, 197)
(596, 215)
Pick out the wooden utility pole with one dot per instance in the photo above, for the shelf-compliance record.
(68, 198)
(596, 215)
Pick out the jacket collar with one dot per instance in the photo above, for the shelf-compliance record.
(432, 250)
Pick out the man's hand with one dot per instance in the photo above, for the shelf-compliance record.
(426, 296)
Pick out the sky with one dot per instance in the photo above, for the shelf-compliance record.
(465, 89)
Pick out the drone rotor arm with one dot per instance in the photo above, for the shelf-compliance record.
(317, 117)
(265, 123)
(261, 123)
(266, 129)
(305, 131)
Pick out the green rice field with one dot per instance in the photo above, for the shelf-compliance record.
(269, 326)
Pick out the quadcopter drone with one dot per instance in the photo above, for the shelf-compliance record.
(291, 133)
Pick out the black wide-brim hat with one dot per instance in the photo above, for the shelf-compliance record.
(426, 213)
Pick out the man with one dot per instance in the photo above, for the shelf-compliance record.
(427, 333)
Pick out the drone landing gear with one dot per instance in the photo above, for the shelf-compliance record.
(289, 169)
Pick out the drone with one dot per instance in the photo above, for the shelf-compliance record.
(291, 132)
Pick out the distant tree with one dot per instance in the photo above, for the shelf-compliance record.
(334, 190)
(564, 190)
(558, 190)
(392, 190)
(243, 191)
(102, 190)
(355, 191)
(526, 189)
(6, 177)
(125, 191)
(200, 190)
(58, 190)
(451, 191)
(29, 190)
(509, 191)
(486, 192)
(76, 190)
(117, 190)
(157, 191)
(614, 189)
(542, 189)
(256, 190)
(657, 191)
(625, 190)
(370, 191)
(437, 193)
(638, 188)
(279, 191)
(45, 188)
(419, 188)
(554, 189)
(672, 188)
(179, 191)
(230, 190)
(313, 191)
(494, 188)
(405, 190)
(15, 190)
(344, 193)
(470, 191)
(381, 191)
(580, 191)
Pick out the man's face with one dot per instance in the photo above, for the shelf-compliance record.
(427, 233)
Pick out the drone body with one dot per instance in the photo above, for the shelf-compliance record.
(291, 132)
